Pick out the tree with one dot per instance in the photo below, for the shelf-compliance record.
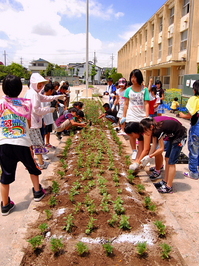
(116, 77)
(93, 73)
(49, 69)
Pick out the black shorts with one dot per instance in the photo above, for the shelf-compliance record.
(48, 129)
(10, 155)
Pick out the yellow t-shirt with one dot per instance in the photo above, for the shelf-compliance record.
(174, 105)
(193, 105)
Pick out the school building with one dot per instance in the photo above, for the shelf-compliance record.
(166, 47)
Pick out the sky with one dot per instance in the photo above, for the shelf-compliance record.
(55, 30)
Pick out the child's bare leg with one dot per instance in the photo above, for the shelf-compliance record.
(158, 161)
(5, 193)
(47, 137)
(132, 143)
(171, 174)
(40, 159)
(35, 182)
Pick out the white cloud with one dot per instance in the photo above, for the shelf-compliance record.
(119, 14)
(34, 30)
(132, 30)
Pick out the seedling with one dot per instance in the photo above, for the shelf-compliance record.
(108, 248)
(124, 222)
(149, 204)
(92, 208)
(52, 201)
(161, 228)
(116, 178)
(119, 190)
(61, 173)
(43, 227)
(130, 178)
(91, 183)
(166, 249)
(103, 189)
(77, 185)
(127, 160)
(78, 207)
(49, 214)
(102, 181)
(140, 188)
(82, 248)
(56, 245)
(113, 220)
(36, 241)
(142, 248)
(105, 206)
(69, 223)
(90, 226)
(118, 206)
(55, 187)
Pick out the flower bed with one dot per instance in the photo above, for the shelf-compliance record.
(96, 211)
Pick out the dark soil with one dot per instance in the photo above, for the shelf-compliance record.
(86, 167)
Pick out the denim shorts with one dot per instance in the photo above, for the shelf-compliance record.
(112, 118)
(173, 151)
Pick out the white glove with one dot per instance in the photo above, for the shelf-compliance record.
(62, 97)
(52, 109)
(134, 166)
(145, 160)
(112, 94)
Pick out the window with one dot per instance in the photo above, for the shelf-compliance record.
(161, 24)
(152, 54)
(40, 64)
(145, 35)
(171, 16)
(160, 50)
(152, 30)
(170, 44)
(185, 7)
(183, 44)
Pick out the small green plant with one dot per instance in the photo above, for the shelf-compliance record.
(114, 219)
(124, 223)
(142, 248)
(119, 190)
(69, 223)
(108, 248)
(36, 241)
(53, 201)
(78, 207)
(105, 206)
(140, 188)
(161, 228)
(56, 245)
(90, 226)
(92, 208)
(118, 206)
(43, 227)
(82, 248)
(49, 214)
(149, 204)
(61, 173)
(127, 160)
(130, 178)
(166, 250)
(55, 187)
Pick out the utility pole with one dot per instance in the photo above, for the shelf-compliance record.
(112, 57)
(87, 47)
(21, 60)
(95, 59)
(5, 58)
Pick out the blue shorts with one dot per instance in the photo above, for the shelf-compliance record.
(172, 151)
(112, 118)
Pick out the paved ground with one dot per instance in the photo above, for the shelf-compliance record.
(181, 209)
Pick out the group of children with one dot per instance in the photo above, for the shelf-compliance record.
(24, 123)
(140, 117)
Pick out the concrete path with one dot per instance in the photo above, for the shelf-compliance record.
(181, 209)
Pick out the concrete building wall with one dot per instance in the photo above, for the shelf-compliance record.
(167, 46)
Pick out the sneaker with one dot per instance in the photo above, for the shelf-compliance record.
(165, 189)
(192, 176)
(152, 169)
(160, 184)
(45, 157)
(50, 146)
(38, 195)
(58, 134)
(155, 175)
(134, 154)
(5, 210)
(43, 166)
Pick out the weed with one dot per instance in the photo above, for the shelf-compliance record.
(161, 228)
(56, 245)
(142, 248)
(36, 241)
(124, 223)
(166, 249)
(108, 248)
(49, 214)
(82, 248)
(55, 187)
